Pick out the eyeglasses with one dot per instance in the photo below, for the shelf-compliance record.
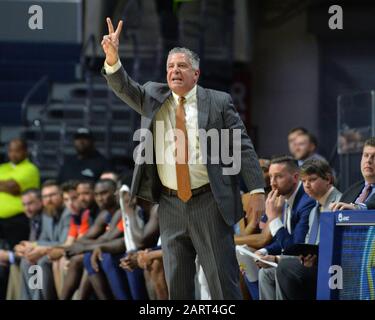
(45, 196)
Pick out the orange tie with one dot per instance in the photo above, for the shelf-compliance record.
(182, 167)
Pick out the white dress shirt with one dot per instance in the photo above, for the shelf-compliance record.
(165, 119)
(277, 224)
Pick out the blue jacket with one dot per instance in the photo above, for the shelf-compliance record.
(302, 206)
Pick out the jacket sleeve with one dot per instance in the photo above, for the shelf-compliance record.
(250, 170)
(299, 233)
(128, 90)
(283, 239)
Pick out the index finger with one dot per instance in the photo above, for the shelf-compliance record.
(270, 194)
(274, 195)
(110, 26)
(119, 28)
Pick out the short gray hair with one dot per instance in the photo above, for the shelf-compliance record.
(192, 56)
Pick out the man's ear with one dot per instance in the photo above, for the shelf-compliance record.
(197, 73)
(296, 176)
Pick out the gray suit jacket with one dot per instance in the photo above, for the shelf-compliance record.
(54, 230)
(215, 111)
(333, 197)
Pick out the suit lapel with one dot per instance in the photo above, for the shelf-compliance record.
(299, 195)
(160, 97)
(203, 108)
(333, 197)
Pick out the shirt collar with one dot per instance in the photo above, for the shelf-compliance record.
(37, 218)
(293, 196)
(187, 96)
(15, 165)
(323, 199)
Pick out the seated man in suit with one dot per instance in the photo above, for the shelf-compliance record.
(288, 220)
(33, 207)
(293, 279)
(361, 195)
(289, 223)
(55, 226)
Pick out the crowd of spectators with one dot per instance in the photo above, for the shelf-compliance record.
(90, 238)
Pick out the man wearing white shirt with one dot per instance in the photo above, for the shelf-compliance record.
(287, 208)
(293, 279)
(199, 202)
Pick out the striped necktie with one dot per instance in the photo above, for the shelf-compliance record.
(365, 193)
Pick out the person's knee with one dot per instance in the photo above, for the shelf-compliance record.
(108, 262)
(284, 268)
(76, 262)
(262, 276)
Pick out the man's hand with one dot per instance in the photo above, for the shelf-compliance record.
(337, 206)
(309, 261)
(74, 249)
(110, 42)
(23, 248)
(255, 207)
(144, 260)
(267, 258)
(95, 256)
(35, 254)
(129, 262)
(274, 205)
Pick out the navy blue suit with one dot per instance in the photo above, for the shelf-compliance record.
(302, 206)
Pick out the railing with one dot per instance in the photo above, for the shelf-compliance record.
(29, 95)
(37, 123)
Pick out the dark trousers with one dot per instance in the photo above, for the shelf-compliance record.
(197, 228)
(115, 275)
(12, 231)
(296, 282)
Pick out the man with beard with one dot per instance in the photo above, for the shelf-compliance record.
(287, 210)
(79, 228)
(296, 277)
(305, 145)
(55, 226)
(32, 204)
(107, 226)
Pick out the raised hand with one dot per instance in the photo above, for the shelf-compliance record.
(274, 205)
(110, 42)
